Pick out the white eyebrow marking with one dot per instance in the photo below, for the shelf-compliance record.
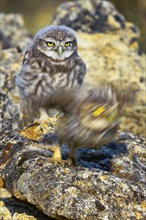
(68, 39)
(50, 39)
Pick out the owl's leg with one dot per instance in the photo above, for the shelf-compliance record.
(43, 120)
(43, 114)
(72, 156)
(57, 156)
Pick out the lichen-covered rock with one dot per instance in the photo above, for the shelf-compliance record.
(13, 32)
(90, 16)
(10, 111)
(13, 209)
(4, 212)
(96, 16)
(9, 117)
(79, 193)
(10, 65)
(110, 51)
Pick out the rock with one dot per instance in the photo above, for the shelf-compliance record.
(10, 65)
(9, 117)
(13, 209)
(13, 33)
(4, 212)
(111, 54)
(1, 182)
(87, 191)
(4, 42)
(96, 16)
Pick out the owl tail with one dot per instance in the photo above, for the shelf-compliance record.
(126, 99)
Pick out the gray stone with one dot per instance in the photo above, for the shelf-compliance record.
(9, 117)
(95, 16)
(13, 32)
(80, 192)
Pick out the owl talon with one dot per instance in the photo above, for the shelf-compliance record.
(71, 162)
(57, 157)
(57, 161)
(59, 116)
(40, 121)
(44, 118)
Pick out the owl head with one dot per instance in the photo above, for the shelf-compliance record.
(56, 42)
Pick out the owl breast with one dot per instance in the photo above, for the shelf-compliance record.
(44, 86)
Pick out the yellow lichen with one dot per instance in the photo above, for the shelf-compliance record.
(1, 182)
(138, 215)
(32, 132)
(144, 204)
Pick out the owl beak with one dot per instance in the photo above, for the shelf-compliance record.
(60, 50)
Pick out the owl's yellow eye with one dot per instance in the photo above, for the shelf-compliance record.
(50, 44)
(98, 111)
(67, 44)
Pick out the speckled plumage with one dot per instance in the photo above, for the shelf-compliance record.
(44, 71)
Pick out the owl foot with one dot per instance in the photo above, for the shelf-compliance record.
(43, 125)
(57, 161)
(71, 162)
(43, 121)
(72, 157)
(43, 116)
(57, 157)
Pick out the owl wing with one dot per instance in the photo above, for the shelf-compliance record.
(80, 70)
(28, 74)
(28, 56)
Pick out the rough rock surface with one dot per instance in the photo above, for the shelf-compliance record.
(12, 32)
(110, 50)
(90, 16)
(9, 117)
(96, 16)
(108, 183)
(14, 209)
(10, 65)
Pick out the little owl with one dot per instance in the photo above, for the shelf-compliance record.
(50, 63)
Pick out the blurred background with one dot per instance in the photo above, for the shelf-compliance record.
(38, 13)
